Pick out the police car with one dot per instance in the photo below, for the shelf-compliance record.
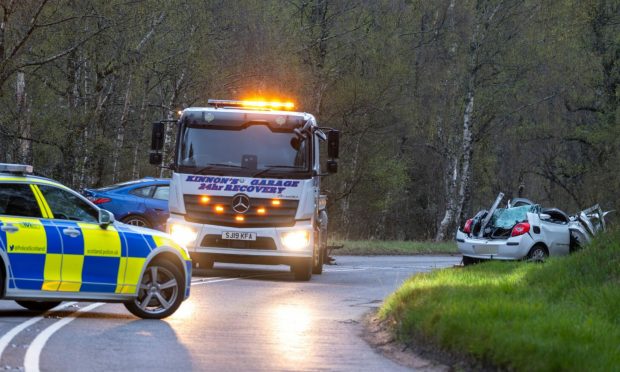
(55, 245)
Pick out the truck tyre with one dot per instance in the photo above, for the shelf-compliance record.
(303, 270)
(38, 306)
(317, 259)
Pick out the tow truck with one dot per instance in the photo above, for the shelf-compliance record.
(246, 184)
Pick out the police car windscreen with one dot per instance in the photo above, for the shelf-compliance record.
(248, 148)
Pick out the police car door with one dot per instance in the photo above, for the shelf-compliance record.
(91, 254)
(31, 266)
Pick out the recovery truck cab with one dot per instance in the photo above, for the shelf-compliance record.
(246, 184)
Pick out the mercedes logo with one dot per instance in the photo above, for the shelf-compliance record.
(240, 203)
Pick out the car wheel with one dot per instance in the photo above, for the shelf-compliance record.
(137, 221)
(577, 240)
(538, 253)
(160, 292)
(303, 270)
(469, 261)
(38, 306)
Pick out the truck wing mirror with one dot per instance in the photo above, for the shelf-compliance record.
(157, 143)
(333, 143)
(332, 166)
(157, 136)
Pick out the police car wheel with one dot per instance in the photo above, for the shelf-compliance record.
(38, 306)
(137, 221)
(160, 293)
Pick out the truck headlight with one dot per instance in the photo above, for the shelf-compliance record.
(183, 234)
(296, 240)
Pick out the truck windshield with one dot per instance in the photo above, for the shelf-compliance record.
(250, 150)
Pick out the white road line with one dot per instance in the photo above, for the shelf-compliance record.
(33, 355)
(219, 280)
(205, 279)
(6, 339)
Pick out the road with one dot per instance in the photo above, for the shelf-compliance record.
(237, 318)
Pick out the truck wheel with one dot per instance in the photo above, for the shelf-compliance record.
(160, 291)
(317, 257)
(38, 306)
(317, 267)
(303, 270)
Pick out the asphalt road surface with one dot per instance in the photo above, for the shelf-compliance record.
(237, 318)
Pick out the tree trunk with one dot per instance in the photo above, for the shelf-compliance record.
(24, 124)
(135, 171)
(120, 132)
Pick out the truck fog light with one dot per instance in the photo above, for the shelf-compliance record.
(296, 240)
(183, 234)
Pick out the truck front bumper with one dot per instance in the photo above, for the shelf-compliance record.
(268, 248)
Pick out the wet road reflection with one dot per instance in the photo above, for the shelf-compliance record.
(290, 332)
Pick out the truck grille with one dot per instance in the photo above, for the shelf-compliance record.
(282, 215)
(216, 241)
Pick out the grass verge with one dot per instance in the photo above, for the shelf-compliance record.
(391, 247)
(560, 315)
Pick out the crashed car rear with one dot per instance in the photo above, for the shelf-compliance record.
(525, 230)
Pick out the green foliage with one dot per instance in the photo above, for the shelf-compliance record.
(393, 76)
(391, 247)
(560, 315)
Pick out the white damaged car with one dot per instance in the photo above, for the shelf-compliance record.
(524, 230)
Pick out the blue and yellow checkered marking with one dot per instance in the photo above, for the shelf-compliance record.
(41, 257)
(97, 260)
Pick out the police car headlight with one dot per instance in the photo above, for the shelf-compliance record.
(183, 234)
(296, 240)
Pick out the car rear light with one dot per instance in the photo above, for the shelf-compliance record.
(467, 227)
(101, 200)
(520, 229)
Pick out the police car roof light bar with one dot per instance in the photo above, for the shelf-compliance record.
(16, 168)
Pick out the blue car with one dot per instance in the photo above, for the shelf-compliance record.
(141, 202)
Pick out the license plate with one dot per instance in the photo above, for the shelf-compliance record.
(234, 235)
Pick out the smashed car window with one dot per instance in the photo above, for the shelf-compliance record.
(508, 217)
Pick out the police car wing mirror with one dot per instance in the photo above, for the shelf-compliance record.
(106, 218)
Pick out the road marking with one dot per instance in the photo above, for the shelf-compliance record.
(205, 279)
(220, 279)
(4, 341)
(33, 355)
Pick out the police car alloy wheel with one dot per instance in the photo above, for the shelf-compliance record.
(160, 292)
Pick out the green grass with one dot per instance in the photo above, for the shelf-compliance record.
(391, 247)
(560, 315)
